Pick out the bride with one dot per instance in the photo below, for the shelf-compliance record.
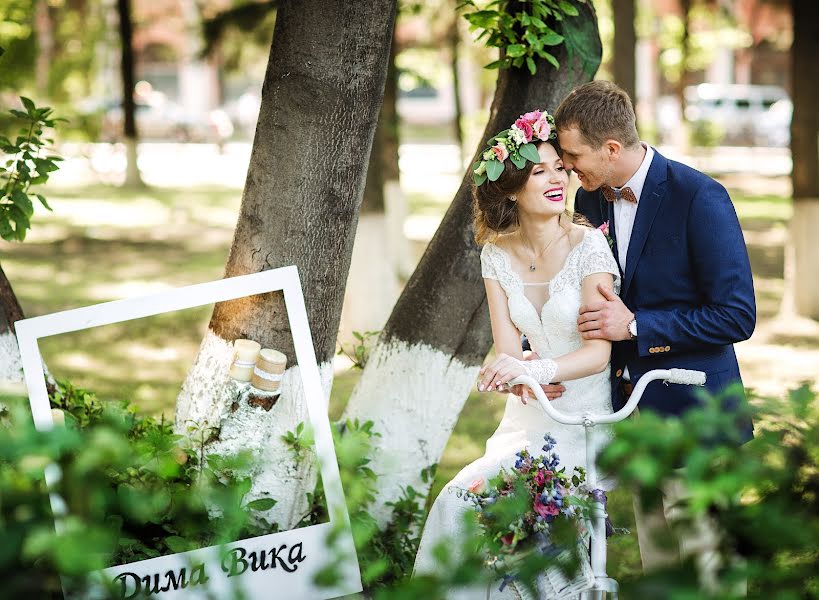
(538, 269)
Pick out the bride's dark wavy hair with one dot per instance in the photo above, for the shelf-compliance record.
(493, 210)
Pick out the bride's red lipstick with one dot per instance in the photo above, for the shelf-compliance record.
(555, 198)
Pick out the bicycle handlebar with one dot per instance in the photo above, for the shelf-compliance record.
(679, 376)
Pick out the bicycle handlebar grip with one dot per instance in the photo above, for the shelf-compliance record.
(686, 377)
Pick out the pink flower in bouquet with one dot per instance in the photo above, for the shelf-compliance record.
(525, 127)
(542, 128)
(507, 539)
(545, 510)
(532, 117)
(501, 153)
(540, 478)
(478, 486)
(604, 228)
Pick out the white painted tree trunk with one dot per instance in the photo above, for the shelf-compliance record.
(372, 283)
(429, 353)
(300, 207)
(132, 175)
(398, 246)
(803, 255)
(231, 425)
(11, 366)
(413, 394)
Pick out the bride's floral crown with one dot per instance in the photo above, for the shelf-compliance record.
(516, 144)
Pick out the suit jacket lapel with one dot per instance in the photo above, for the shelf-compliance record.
(650, 200)
(609, 212)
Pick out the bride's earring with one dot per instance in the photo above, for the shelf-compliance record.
(513, 198)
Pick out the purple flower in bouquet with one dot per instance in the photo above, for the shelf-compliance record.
(538, 487)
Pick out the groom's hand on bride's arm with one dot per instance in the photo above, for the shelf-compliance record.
(605, 319)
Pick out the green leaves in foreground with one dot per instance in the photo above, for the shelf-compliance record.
(27, 166)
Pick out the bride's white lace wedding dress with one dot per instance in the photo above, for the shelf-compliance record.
(552, 332)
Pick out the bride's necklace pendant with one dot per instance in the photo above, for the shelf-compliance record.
(532, 267)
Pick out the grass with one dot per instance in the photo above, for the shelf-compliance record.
(104, 243)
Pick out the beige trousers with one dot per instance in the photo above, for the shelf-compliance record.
(699, 539)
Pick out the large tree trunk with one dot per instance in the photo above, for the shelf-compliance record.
(682, 140)
(625, 42)
(428, 355)
(126, 34)
(454, 40)
(380, 249)
(44, 26)
(320, 102)
(805, 152)
(11, 366)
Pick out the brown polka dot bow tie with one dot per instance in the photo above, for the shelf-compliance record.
(610, 194)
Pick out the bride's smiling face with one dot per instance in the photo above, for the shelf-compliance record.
(544, 194)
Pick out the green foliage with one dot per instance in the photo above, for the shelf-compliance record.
(133, 490)
(359, 351)
(763, 496)
(522, 37)
(298, 442)
(27, 167)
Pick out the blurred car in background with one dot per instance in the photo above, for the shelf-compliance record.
(737, 111)
(166, 121)
(775, 127)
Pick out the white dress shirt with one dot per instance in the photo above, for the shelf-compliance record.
(624, 211)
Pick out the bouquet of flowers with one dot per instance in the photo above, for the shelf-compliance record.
(534, 507)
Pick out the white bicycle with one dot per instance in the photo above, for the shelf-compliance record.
(601, 583)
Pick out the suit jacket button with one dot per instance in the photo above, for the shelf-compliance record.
(618, 373)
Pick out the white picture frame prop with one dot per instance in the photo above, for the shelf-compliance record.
(278, 565)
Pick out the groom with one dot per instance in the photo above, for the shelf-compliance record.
(687, 293)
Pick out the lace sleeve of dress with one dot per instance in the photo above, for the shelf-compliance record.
(597, 258)
(542, 370)
(489, 262)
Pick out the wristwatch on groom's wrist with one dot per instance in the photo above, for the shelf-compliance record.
(632, 329)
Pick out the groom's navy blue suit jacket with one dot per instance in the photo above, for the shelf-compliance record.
(688, 281)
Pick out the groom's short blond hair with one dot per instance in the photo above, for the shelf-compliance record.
(601, 111)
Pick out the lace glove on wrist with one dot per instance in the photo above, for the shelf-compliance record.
(543, 370)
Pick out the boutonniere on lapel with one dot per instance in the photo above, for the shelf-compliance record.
(605, 229)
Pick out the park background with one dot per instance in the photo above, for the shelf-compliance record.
(156, 209)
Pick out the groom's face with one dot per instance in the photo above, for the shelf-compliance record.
(592, 166)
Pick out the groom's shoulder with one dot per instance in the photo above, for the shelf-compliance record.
(691, 180)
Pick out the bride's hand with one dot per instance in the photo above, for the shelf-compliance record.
(500, 371)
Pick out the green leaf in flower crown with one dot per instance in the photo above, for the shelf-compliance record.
(478, 179)
(517, 160)
(497, 136)
(529, 152)
(494, 169)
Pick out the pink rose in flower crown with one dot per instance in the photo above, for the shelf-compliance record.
(542, 128)
(525, 127)
(501, 153)
(532, 117)
(478, 486)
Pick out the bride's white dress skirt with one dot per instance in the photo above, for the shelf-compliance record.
(551, 333)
